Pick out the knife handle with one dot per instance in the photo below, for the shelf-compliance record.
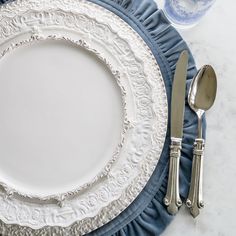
(195, 200)
(172, 199)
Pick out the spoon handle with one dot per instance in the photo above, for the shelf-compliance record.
(172, 199)
(195, 200)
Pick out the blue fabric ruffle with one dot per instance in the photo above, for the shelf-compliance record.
(147, 215)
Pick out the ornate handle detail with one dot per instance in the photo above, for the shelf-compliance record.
(172, 199)
(195, 199)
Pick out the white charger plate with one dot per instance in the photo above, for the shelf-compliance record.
(83, 114)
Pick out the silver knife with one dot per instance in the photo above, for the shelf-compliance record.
(172, 199)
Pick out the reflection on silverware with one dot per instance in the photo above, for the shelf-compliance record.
(172, 199)
(201, 97)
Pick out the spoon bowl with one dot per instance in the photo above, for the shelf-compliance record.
(202, 92)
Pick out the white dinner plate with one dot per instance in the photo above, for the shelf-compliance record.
(83, 114)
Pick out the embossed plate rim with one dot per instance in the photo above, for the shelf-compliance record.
(95, 220)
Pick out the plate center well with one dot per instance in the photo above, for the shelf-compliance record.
(60, 117)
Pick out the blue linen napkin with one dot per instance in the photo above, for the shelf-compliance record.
(147, 215)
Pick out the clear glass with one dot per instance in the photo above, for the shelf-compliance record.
(186, 13)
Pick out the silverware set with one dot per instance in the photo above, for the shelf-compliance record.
(201, 97)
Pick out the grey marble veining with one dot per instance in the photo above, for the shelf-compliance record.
(213, 41)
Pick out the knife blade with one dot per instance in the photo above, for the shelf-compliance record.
(172, 199)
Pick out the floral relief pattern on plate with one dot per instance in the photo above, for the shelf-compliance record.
(145, 107)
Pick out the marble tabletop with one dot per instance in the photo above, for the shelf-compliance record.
(212, 41)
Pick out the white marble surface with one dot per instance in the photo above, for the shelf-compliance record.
(213, 41)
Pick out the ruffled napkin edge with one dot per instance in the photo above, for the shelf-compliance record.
(147, 215)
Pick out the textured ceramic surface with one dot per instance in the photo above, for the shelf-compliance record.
(107, 193)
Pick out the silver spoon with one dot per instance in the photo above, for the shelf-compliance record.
(201, 97)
